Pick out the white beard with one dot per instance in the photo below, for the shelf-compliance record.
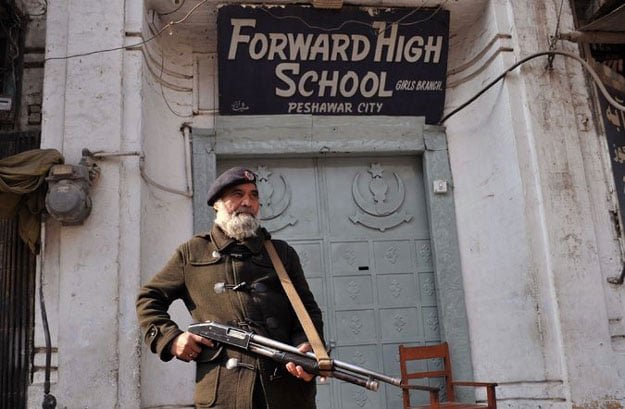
(239, 225)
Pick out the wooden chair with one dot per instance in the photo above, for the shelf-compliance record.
(441, 351)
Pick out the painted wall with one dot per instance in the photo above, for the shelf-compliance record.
(167, 217)
(90, 271)
(531, 188)
(533, 204)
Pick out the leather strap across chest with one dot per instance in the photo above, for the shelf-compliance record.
(325, 363)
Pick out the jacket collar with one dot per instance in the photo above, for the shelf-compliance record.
(254, 244)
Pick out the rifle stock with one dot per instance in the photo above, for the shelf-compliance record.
(283, 353)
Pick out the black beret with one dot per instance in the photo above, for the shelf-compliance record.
(231, 177)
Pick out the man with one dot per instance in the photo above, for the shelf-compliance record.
(226, 276)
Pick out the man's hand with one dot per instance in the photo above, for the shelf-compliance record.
(299, 372)
(187, 346)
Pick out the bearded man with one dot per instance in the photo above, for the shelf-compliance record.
(227, 276)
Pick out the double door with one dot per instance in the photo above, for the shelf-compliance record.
(360, 227)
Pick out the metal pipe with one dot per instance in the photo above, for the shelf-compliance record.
(103, 155)
(49, 400)
(186, 134)
(604, 37)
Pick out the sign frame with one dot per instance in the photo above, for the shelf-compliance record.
(354, 61)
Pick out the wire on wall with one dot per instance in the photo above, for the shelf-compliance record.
(588, 68)
(179, 115)
(151, 61)
(167, 26)
(400, 21)
(555, 37)
(49, 400)
(157, 185)
(144, 175)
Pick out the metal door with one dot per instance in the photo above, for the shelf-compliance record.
(360, 227)
(17, 301)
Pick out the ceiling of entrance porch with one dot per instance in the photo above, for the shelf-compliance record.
(199, 26)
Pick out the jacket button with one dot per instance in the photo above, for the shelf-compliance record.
(272, 323)
(259, 287)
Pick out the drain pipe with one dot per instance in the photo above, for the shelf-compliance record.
(186, 134)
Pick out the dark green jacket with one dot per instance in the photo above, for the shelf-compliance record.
(191, 275)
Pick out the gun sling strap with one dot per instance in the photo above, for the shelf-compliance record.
(325, 363)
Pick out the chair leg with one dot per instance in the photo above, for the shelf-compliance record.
(491, 398)
(434, 402)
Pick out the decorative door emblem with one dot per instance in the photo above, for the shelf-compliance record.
(353, 289)
(360, 397)
(398, 322)
(435, 364)
(382, 201)
(432, 322)
(395, 288)
(429, 287)
(391, 255)
(359, 358)
(274, 196)
(350, 256)
(355, 324)
(425, 253)
(304, 258)
(440, 384)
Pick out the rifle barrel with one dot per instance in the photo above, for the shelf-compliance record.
(363, 371)
(310, 365)
(338, 364)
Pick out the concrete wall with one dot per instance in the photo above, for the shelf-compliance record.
(90, 272)
(533, 219)
(167, 217)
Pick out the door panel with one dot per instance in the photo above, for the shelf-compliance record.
(360, 227)
(371, 196)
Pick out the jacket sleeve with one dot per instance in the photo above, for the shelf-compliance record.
(296, 273)
(153, 302)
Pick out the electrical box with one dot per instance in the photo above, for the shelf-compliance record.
(440, 186)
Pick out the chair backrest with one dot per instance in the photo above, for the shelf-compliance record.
(415, 353)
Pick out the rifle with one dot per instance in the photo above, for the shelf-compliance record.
(283, 353)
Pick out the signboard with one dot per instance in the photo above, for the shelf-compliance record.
(352, 61)
(614, 124)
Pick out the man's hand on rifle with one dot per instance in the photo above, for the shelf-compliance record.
(186, 346)
(299, 372)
